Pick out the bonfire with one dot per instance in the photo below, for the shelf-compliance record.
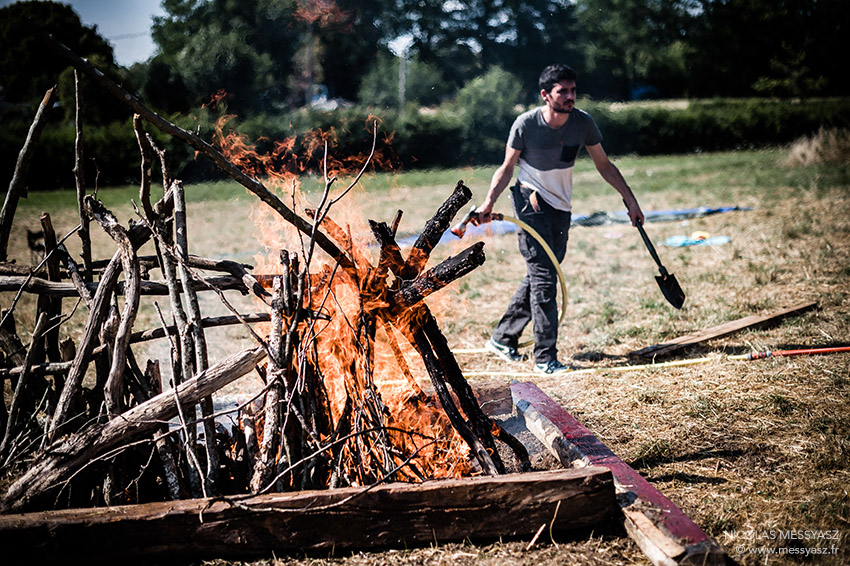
(340, 405)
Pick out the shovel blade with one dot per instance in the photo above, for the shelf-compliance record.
(671, 289)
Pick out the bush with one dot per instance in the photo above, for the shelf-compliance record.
(712, 125)
(424, 83)
(471, 130)
(825, 147)
(487, 107)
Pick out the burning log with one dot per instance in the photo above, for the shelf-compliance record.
(418, 325)
(264, 467)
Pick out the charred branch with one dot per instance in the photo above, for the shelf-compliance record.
(434, 230)
(453, 268)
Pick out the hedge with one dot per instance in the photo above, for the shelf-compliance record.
(436, 137)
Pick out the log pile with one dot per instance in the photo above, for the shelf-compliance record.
(84, 422)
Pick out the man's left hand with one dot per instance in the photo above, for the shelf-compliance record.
(635, 213)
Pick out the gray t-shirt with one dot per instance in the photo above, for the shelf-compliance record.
(548, 154)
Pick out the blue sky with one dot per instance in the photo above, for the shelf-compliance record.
(124, 23)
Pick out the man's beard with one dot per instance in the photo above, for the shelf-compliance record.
(562, 109)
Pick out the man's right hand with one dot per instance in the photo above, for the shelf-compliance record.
(482, 214)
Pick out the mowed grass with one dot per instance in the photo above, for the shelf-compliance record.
(743, 447)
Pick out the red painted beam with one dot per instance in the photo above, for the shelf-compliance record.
(671, 535)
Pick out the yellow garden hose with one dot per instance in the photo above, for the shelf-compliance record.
(561, 279)
(675, 363)
(536, 235)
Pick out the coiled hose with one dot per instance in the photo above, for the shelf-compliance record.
(546, 248)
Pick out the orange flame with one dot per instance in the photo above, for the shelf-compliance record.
(216, 99)
(322, 12)
(352, 373)
(362, 364)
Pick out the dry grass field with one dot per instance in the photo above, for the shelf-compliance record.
(756, 452)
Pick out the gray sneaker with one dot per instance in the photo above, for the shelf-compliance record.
(552, 366)
(507, 353)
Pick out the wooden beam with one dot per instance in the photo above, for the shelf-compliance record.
(665, 534)
(725, 329)
(391, 515)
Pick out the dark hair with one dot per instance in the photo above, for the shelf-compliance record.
(554, 74)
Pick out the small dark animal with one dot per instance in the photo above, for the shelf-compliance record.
(35, 241)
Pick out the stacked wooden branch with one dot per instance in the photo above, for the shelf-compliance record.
(323, 418)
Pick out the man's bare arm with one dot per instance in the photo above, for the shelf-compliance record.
(501, 179)
(614, 178)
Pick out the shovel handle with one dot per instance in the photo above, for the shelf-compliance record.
(651, 248)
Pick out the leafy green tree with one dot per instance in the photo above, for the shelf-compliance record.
(488, 106)
(424, 84)
(244, 48)
(790, 77)
(633, 44)
(266, 54)
(786, 47)
(27, 65)
(351, 46)
(465, 37)
(522, 37)
(441, 33)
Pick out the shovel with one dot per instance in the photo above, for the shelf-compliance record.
(667, 281)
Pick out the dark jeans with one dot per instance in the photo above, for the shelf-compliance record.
(536, 298)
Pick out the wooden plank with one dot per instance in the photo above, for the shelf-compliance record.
(665, 534)
(392, 515)
(725, 329)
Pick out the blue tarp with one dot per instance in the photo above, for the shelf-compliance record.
(595, 219)
(622, 217)
(684, 241)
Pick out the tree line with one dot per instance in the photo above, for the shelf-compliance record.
(270, 57)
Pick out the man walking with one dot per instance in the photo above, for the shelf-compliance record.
(545, 142)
